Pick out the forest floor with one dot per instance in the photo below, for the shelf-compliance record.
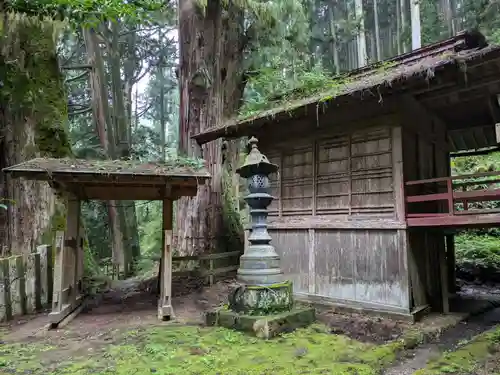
(121, 335)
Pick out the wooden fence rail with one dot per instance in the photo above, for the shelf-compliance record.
(204, 265)
(26, 283)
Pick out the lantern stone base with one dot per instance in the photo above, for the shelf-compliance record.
(266, 326)
(262, 299)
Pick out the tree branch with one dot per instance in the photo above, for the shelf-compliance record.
(78, 77)
(80, 112)
(77, 67)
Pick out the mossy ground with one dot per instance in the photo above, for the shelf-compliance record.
(479, 356)
(195, 350)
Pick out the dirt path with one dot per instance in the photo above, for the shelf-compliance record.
(449, 340)
(118, 308)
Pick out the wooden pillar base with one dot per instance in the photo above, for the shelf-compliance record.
(165, 312)
(57, 316)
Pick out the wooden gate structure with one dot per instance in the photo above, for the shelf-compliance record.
(81, 180)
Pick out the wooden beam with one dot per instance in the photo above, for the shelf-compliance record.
(118, 179)
(335, 222)
(165, 310)
(132, 192)
(491, 83)
(464, 221)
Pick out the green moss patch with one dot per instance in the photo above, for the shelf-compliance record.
(33, 87)
(479, 356)
(22, 358)
(194, 350)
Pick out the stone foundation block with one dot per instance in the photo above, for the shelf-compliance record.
(264, 327)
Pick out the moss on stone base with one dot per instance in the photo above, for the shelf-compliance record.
(262, 299)
(262, 326)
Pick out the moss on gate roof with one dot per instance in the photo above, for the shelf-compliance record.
(181, 167)
(372, 79)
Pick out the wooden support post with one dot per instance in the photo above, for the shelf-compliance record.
(5, 300)
(443, 271)
(66, 294)
(450, 260)
(57, 298)
(398, 174)
(72, 246)
(211, 275)
(165, 311)
(81, 258)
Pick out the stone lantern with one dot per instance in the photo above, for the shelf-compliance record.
(260, 265)
(263, 302)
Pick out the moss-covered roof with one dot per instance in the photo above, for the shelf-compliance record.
(380, 77)
(177, 167)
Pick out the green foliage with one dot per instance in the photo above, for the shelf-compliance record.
(481, 251)
(279, 83)
(478, 249)
(149, 217)
(86, 12)
(475, 164)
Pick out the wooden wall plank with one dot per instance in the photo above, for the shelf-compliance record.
(5, 300)
(312, 261)
(17, 285)
(293, 249)
(22, 284)
(354, 266)
(32, 281)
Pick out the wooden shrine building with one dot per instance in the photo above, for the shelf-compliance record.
(80, 180)
(366, 205)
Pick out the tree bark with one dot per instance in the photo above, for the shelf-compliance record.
(211, 89)
(333, 34)
(32, 126)
(416, 34)
(127, 214)
(105, 131)
(377, 31)
(361, 38)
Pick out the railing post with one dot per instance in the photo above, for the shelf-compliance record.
(451, 207)
(466, 203)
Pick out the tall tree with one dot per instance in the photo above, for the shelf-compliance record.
(218, 41)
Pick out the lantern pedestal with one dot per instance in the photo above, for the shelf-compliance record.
(262, 326)
(261, 300)
(263, 303)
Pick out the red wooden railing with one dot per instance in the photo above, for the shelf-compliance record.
(447, 198)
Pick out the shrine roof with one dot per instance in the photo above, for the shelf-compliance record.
(383, 77)
(116, 179)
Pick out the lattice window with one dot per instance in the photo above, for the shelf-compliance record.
(337, 175)
(297, 180)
